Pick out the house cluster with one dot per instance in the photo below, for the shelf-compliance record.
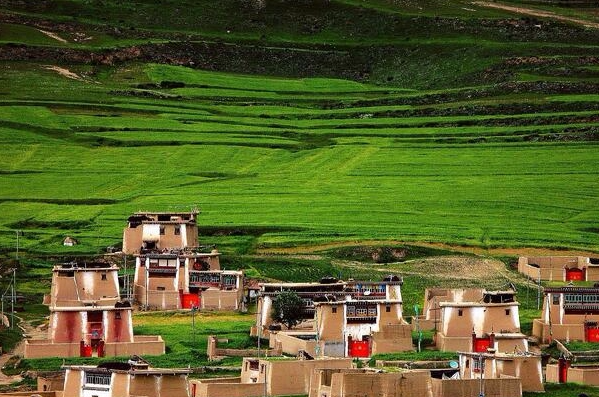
(170, 270)
(343, 321)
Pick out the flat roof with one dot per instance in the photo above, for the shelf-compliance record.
(131, 370)
(477, 304)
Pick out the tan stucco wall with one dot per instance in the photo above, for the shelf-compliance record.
(358, 383)
(580, 375)
(552, 267)
(281, 383)
(84, 286)
(132, 240)
(392, 339)
(508, 387)
(292, 345)
(481, 318)
(330, 325)
(50, 383)
(453, 344)
(216, 299)
(225, 388)
(558, 331)
(39, 348)
(585, 376)
(142, 345)
(73, 381)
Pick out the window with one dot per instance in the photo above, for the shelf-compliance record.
(117, 315)
(388, 309)
(97, 379)
(334, 310)
(177, 230)
(160, 288)
(351, 311)
(507, 312)
(161, 230)
(555, 298)
(361, 312)
(372, 311)
(103, 276)
(460, 312)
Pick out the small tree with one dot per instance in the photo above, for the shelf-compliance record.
(287, 308)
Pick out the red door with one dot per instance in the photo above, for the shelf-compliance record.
(481, 344)
(359, 348)
(574, 274)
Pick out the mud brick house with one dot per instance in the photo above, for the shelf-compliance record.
(560, 268)
(491, 322)
(369, 383)
(569, 313)
(266, 377)
(134, 378)
(350, 328)
(486, 367)
(182, 279)
(361, 328)
(327, 290)
(160, 231)
(430, 318)
(88, 318)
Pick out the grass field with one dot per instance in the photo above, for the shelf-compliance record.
(313, 159)
(309, 123)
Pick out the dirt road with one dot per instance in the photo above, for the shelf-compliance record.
(537, 13)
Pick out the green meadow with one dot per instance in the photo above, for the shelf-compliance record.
(312, 159)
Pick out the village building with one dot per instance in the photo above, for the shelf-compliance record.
(569, 313)
(266, 377)
(160, 231)
(88, 317)
(134, 378)
(130, 379)
(361, 328)
(370, 383)
(485, 367)
(491, 322)
(431, 317)
(350, 328)
(185, 279)
(327, 290)
(559, 268)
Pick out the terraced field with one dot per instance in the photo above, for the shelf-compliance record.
(300, 122)
(314, 159)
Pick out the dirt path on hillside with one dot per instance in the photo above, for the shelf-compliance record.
(29, 332)
(64, 72)
(538, 13)
(53, 36)
(522, 251)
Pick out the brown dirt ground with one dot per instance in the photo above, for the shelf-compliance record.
(458, 249)
(538, 13)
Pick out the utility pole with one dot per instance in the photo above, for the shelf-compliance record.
(18, 231)
(13, 298)
(259, 323)
(539, 290)
(482, 375)
(193, 325)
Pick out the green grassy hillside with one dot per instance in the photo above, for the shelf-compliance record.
(299, 122)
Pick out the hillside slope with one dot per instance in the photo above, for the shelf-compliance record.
(299, 122)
